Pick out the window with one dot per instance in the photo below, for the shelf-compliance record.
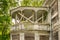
(55, 36)
(15, 37)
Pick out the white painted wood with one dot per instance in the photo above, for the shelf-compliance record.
(21, 36)
(45, 2)
(59, 19)
(38, 19)
(59, 10)
(10, 36)
(42, 17)
(56, 13)
(58, 35)
(25, 18)
(29, 18)
(16, 19)
(37, 36)
(36, 27)
(31, 8)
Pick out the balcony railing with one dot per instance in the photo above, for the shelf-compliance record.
(30, 27)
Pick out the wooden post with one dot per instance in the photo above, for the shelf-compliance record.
(50, 22)
(10, 36)
(59, 19)
(37, 36)
(21, 36)
(42, 17)
(36, 17)
(16, 19)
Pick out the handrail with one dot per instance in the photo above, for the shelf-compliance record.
(31, 27)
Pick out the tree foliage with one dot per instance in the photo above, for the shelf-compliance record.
(37, 3)
(5, 19)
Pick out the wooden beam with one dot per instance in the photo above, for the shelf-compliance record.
(53, 3)
(42, 18)
(45, 2)
(25, 18)
(29, 18)
(21, 18)
(16, 19)
(30, 8)
(38, 19)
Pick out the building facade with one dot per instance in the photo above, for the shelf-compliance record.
(30, 23)
(36, 23)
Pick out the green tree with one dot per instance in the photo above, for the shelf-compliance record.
(25, 3)
(5, 19)
(37, 3)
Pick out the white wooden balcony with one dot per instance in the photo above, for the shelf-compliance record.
(31, 15)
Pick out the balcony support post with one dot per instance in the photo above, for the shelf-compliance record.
(21, 36)
(10, 36)
(59, 19)
(37, 36)
(50, 22)
(16, 19)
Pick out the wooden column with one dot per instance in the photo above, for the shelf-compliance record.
(49, 17)
(50, 22)
(16, 19)
(59, 19)
(59, 10)
(58, 35)
(36, 16)
(10, 36)
(42, 17)
(21, 36)
(37, 36)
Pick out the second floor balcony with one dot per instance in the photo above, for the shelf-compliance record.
(31, 27)
(31, 18)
